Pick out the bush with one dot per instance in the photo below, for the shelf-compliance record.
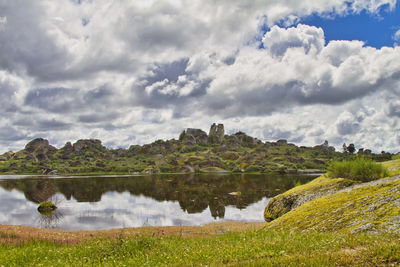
(397, 156)
(46, 206)
(360, 169)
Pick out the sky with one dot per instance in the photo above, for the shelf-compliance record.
(131, 72)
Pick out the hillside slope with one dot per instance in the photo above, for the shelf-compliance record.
(194, 151)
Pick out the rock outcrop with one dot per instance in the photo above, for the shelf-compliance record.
(370, 207)
(40, 146)
(244, 140)
(216, 134)
(88, 144)
(299, 195)
(193, 136)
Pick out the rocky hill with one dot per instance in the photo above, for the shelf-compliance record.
(194, 151)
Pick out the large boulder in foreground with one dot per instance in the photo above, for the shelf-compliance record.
(299, 195)
(370, 207)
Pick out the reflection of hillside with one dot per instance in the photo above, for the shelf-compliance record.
(34, 190)
(193, 192)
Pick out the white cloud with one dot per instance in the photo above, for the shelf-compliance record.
(303, 73)
(278, 40)
(134, 71)
(396, 36)
(3, 23)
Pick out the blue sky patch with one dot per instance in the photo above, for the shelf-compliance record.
(375, 30)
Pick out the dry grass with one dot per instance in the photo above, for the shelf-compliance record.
(16, 234)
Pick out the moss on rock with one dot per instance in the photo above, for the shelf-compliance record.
(46, 206)
(299, 195)
(372, 208)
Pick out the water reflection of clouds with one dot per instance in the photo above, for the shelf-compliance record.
(116, 210)
(14, 209)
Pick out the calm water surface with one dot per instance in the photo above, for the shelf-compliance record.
(93, 203)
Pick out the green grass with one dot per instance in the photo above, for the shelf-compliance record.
(359, 169)
(255, 248)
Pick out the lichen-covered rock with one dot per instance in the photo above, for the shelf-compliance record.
(246, 140)
(299, 195)
(39, 146)
(36, 144)
(193, 136)
(281, 142)
(88, 144)
(216, 134)
(370, 207)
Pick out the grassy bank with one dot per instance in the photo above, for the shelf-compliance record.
(165, 247)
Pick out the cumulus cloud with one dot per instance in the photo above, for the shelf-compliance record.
(278, 40)
(125, 71)
(296, 68)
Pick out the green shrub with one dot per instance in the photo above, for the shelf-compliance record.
(359, 169)
(397, 156)
(46, 207)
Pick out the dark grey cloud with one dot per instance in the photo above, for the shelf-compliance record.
(170, 71)
(57, 100)
(52, 125)
(10, 133)
(347, 127)
(96, 118)
(98, 95)
(70, 100)
(168, 29)
(394, 109)
(27, 45)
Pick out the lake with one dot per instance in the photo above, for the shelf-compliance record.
(94, 203)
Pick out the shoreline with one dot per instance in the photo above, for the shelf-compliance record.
(111, 175)
(20, 233)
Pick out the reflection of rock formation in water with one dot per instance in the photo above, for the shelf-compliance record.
(35, 190)
(193, 192)
(50, 219)
(217, 208)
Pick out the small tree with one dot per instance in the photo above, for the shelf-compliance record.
(351, 148)
(344, 148)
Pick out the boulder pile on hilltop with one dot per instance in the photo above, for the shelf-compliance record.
(194, 151)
